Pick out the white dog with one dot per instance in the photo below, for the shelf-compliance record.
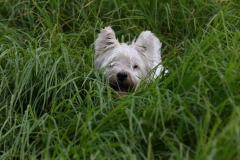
(126, 65)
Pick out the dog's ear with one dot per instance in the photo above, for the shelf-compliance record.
(106, 40)
(149, 47)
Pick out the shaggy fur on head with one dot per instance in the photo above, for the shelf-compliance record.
(125, 65)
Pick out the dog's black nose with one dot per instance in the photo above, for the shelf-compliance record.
(122, 76)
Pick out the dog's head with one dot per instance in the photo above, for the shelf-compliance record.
(125, 65)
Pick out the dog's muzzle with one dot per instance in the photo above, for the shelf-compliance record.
(123, 83)
(122, 76)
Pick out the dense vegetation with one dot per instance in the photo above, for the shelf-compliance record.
(54, 104)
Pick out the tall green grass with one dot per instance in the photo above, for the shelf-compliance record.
(55, 105)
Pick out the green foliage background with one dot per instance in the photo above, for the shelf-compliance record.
(55, 105)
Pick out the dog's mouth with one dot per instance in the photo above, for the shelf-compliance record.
(122, 89)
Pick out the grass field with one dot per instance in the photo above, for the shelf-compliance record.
(55, 105)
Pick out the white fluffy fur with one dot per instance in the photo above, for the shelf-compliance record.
(125, 65)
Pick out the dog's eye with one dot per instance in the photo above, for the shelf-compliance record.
(110, 65)
(135, 66)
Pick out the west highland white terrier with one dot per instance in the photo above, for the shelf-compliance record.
(126, 65)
